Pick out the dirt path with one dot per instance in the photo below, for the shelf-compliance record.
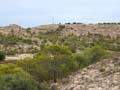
(18, 57)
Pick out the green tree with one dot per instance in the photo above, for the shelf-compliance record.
(61, 62)
(53, 62)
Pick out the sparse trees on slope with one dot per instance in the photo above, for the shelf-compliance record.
(52, 63)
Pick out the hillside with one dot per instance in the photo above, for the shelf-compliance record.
(112, 30)
(15, 39)
(104, 75)
(84, 29)
(60, 57)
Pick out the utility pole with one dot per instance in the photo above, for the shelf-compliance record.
(19, 23)
(53, 23)
(53, 20)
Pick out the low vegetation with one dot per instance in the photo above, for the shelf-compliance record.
(13, 77)
(52, 63)
(2, 56)
(56, 57)
(56, 62)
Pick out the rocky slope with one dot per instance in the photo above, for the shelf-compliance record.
(112, 30)
(30, 40)
(103, 75)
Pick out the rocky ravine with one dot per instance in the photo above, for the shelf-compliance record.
(103, 75)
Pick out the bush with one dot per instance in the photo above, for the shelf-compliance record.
(102, 69)
(18, 81)
(68, 23)
(82, 61)
(10, 69)
(60, 62)
(74, 23)
(34, 67)
(52, 63)
(61, 27)
(95, 54)
(2, 55)
(91, 55)
(13, 77)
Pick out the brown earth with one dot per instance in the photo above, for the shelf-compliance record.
(112, 30)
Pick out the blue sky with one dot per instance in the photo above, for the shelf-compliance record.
(30, 13)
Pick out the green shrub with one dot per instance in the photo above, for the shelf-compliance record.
(34, 67)
(19, 81)
(74, 23)
(68, 23)
(10, 69)
(102, 69)
(61, 27)
(91, 55)
(13, 77)
(52, 63)
(60, 62)
(2, 55)
(95, 54)
(82, 61)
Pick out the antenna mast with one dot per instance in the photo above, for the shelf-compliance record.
(53, 20)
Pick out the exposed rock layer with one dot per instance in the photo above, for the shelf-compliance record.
(103, 75)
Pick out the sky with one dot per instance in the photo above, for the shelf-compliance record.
(29, 13)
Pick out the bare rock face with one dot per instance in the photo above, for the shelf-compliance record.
(12, 28)
(111, 30)
(83, 30)
(103, 75)
(69, 29)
